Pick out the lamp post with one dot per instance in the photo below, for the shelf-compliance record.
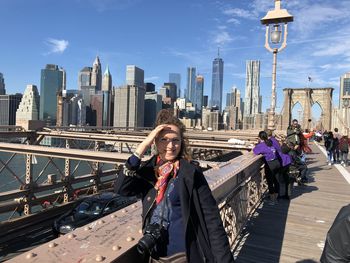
(274, 20)
(346, 106)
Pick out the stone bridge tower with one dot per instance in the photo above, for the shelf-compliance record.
(307, 97)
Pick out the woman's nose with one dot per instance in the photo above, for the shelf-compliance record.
(170, 144)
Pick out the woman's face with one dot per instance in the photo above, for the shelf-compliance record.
(168, 143)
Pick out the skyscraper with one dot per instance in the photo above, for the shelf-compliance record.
(129, 106)
(28, 108)
(107, 80)
(153, 104)
(134, 76)
(344, 93)
(91, 77)
(61, 107)
(176, 78)
(77, 110)
(129, 100)
(2, 85)
(96, 74)
(164, 92)
(150, 87)
(198, 102)
(52, 81)
(84, 78)
(205, 101)
(191, 83)
(107, 98)
(217, 82)
(8, 108)
(252, 88)
(234, 108)
(239, 105)
(96, 105)
(172, 90)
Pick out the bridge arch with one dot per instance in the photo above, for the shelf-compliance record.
(307, 97)
(297, 111)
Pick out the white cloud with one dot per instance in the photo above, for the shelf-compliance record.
(338, 47)
(309, 18)
(222, 38)
(153, 78)
(297, 70)
(326, 66)
(108, 5)
(191, 57)
(233, 21)
(222, 27)
(262, 6)
(336, 66)
(239, 75)
(230, 65)
(56, 45)
(238, 12)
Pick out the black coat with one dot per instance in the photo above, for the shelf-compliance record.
(206, 239)
(329, 144)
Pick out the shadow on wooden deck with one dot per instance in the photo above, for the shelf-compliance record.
(263, 237)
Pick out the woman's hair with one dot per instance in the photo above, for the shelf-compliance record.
(166, 117)
(263, 136)
(269, 133)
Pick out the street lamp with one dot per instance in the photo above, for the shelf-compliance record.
(274, 20)
(346, 106)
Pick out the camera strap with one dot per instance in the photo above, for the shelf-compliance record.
(165, 206)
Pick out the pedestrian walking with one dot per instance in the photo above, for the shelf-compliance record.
(344, 150)
(329, 144)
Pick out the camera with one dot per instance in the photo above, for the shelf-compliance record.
(153, 234)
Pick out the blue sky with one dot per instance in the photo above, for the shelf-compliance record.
(163, 36)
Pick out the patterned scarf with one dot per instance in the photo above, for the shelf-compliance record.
(165, 169)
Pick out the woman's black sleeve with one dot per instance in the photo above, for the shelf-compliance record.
(128, 182)
(216, 233)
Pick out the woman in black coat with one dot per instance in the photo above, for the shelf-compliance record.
(330, 145)
(176, 199)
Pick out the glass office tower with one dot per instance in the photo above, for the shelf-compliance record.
(217, 82)
(52, 82)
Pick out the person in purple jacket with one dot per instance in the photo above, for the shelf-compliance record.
(287, 184)
(266, 148)
(285, 161)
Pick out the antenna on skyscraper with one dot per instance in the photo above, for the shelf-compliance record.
(218, 52)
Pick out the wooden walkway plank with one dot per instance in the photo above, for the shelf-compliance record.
(294, 231)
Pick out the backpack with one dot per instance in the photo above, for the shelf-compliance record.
(284, 148)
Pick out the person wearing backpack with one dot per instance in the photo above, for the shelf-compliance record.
(344, 150)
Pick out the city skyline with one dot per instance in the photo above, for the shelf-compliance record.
(318, 43)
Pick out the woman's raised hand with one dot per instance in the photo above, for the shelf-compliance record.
(142, 148)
